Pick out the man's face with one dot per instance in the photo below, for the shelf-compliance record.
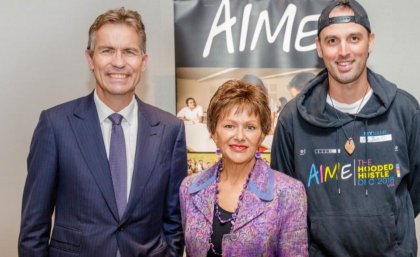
(191, 104)
(345, 48)
(117, 62)
(293, 92)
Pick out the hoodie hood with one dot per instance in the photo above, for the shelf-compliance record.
(313, 108)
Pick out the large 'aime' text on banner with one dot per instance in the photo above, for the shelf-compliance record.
(232, 33)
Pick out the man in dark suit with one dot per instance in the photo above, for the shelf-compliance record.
(112, 183)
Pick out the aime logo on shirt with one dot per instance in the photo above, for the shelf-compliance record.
(360, 172)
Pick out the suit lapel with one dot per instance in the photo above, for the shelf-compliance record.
(86, 128)
(149, 135)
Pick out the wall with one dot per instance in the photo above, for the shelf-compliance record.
(396, 52)
(42, 64)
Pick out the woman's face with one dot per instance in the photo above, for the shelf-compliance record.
(238, 135)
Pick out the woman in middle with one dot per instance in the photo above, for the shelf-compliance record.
(239, 206)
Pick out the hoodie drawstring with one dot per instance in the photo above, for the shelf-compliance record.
(366, 147)
(337, 140)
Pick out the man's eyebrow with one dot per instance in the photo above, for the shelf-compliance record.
(105, 46)
(132, 49)
(329, 37)
(355, 34)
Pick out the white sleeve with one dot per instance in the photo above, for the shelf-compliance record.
(200, 112)
(181, 113)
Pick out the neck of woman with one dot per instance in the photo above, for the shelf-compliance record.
(234, 173)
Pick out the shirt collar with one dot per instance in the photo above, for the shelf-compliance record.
(104, 111)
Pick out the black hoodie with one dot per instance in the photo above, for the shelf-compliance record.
(362, 204)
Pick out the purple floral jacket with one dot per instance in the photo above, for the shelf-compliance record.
(271, 220)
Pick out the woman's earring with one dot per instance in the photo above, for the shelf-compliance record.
(218, 151)
(258, 155)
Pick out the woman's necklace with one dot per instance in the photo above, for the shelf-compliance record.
(349, 145)
(217, 213)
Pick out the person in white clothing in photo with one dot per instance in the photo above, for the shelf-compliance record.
(192, 112)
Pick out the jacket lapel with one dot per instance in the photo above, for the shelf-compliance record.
(86, 128)
(149, 134)
(260, 191)
(202, 190)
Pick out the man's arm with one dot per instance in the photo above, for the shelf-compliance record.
(39, 193)
(282, 150)
(172, 226)
(200, 114)
(181, 114)
(414, 156)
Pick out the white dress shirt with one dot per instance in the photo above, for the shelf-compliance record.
(129, 125)
(193, 115)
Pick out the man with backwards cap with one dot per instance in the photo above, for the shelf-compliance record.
(352, 138)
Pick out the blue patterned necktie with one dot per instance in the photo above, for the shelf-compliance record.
(118, 162)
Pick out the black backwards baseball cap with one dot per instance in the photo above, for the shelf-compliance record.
(360, 15)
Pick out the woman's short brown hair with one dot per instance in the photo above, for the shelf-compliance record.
(237, 93)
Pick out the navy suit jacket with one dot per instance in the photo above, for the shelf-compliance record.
(69, 175)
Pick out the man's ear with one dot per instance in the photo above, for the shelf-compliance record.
(318, 47)
(144, 62)
(89, 59)
(371, 42)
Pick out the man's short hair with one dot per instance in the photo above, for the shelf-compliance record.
(188, 99)
(255, 80)
(118, 16)
(300, 80)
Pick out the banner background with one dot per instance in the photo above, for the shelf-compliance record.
(228, 39)
(260, 34)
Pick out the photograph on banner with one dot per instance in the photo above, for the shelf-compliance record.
(270, 44)
(196, 86)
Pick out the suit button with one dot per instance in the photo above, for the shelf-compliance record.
(120, 228)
